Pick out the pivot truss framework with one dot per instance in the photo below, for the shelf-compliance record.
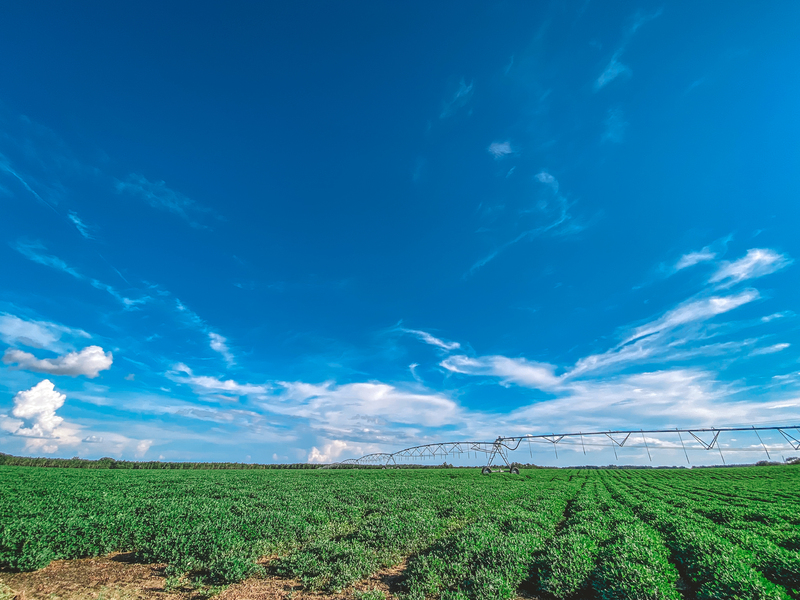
(707, 438)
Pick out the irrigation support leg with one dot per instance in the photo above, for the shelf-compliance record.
(680, 437)
(762, 443)
(644, 439)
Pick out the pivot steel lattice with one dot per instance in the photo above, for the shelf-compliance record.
(496, 452)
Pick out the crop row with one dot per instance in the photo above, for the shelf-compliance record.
(713, 565)
(559, 534)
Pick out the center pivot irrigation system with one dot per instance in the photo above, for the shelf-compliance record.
(707, 438)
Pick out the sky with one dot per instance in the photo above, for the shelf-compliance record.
(307, 231)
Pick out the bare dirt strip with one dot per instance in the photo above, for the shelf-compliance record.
(117, 577)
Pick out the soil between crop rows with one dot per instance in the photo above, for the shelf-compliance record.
(118, 577)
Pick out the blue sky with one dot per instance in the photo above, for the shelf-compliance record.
(307, 231)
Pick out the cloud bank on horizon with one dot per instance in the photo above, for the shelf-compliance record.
(570, 229)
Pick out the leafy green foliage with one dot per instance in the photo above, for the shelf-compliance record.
(566, 534)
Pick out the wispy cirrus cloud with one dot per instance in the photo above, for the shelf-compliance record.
(613, 70)
(158, 195)
(36, 252)
(615, 126)
(500, 150)
(82, 227)
(5, 165)
(431, 340)
(769, 349)
(88, 362)
(459, 100)
(642, 17)
(663, 336)
(510, 370)
(552, 211)
(691, 259)
(204, 384)
(45, 335)
(219, 344)
(756, 263)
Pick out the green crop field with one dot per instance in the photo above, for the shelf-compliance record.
(702, 533)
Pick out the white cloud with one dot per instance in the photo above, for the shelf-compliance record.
(669, 398)
(613, 70)
(756, 263)
(330, 452)
(509, 370)
(547, 179)
(692, 258)
(694, 310)
(554, 215)
(371, 410)
(37, 407)
(658, 337)
(773, 316)
(615, 126)
(218, 344)
(433, 341)
(640, 18)
(158, 195)
(34, 251)
(82, 227)
(36, 334)
(89, 362)
(203, 384)
(459, 100)
(142, 447)
(769, 349)
(500, 149)
(36, 419)
(92, 439)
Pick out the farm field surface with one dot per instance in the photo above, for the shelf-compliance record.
(447, 533)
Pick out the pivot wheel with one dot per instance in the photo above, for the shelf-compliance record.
(486, 471)
(514, 471)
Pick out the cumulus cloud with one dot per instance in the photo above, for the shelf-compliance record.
(89, 362)
(34, 417)
(756, 263)
(142, 447)
(37, 408)
(500, 149)
(92, 439)
(204, 384)
(330, 452)
(433, 341)
(510, 370)
(218, 344)
(36, 334)
(158, 195)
